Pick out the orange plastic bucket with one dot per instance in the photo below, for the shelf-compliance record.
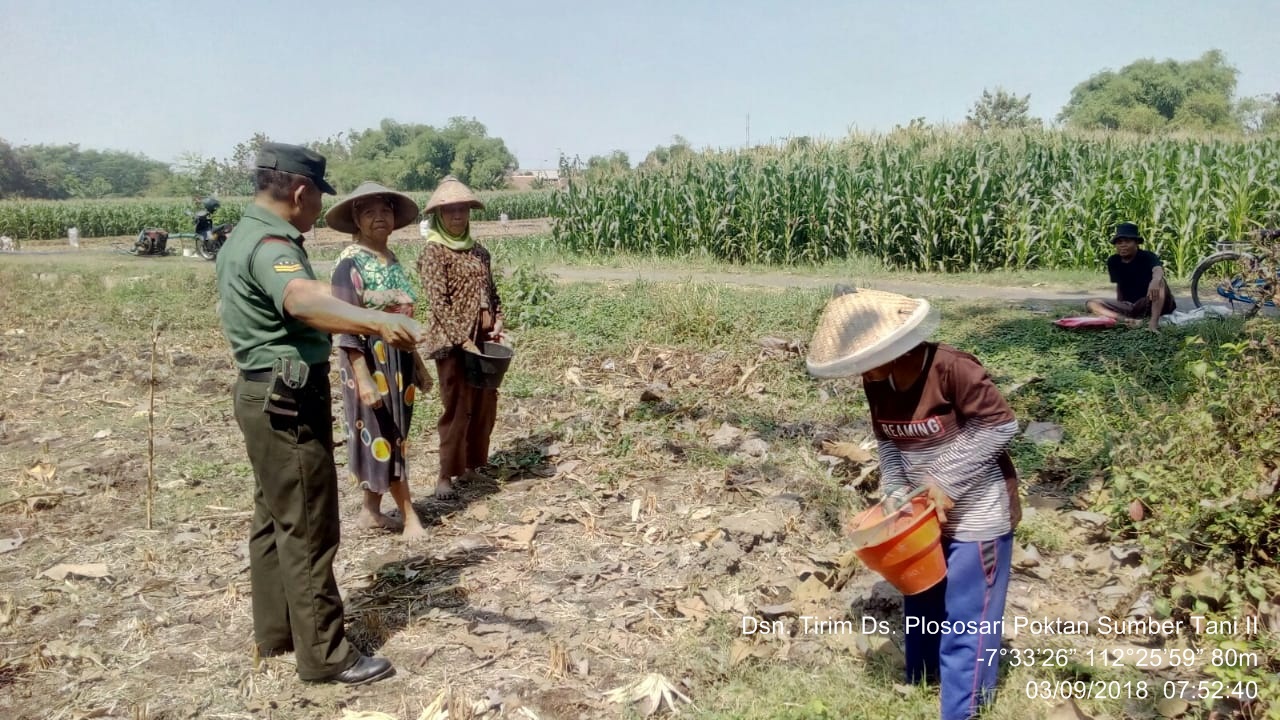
(904, 549)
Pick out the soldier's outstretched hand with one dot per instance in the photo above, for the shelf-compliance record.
(402, 331)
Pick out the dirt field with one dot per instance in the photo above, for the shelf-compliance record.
(646, 502)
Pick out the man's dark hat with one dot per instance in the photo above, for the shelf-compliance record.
(1127, 230)
(297, 160)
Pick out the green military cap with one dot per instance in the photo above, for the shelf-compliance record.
(294, 159)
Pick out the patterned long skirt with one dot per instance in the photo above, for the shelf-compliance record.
(377, 438)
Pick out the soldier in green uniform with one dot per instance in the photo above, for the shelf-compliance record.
(278, 319)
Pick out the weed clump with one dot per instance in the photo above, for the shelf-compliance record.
(1196, 482)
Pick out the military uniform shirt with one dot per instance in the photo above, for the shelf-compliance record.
(262, 254)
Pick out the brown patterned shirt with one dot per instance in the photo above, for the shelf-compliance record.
(459, 284)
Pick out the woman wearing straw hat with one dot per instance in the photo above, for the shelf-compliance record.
(457, 274)
(943, 428)
(379, 383)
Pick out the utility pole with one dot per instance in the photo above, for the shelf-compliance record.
(748, 131)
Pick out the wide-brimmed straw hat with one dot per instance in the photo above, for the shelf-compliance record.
(451, 191)
(341, 217)
(864, 329)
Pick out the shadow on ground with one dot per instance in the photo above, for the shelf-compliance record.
(415, 587)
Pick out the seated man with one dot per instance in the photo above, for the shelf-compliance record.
(1140, 284)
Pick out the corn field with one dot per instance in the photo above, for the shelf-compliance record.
(934, 201)
(48, 219)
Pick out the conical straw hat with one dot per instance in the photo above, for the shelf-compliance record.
(341, 217)
(865, 329)
(451, 191)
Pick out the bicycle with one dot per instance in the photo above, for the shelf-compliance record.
(1241, 273)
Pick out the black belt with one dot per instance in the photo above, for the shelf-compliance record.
(264, 375)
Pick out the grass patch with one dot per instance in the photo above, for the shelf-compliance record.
(848, 686)
(1088, 382)
(115, 296)
(1047, 531)
(693, 315)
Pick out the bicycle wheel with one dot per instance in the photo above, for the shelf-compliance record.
(1226, 279)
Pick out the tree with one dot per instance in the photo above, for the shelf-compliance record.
(1259, 115)
(194, 175)
(335, 148)
(599, 166)
(164, 182)
(801, 142)
(405, 156)
(1001, 110)
(62, 171)
(15, 173)
(915, 125)
(237, 171)
(416, 157)
(198, 176)
(98, 187)
(662, 155)
(478, 160)
(1149, 96)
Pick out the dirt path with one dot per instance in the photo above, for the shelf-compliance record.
(776, 279)
(790, 280)
(1031, 295)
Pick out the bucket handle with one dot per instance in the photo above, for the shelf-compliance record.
(862, 537)
(887, 508)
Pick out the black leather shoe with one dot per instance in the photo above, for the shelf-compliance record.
(365, 670)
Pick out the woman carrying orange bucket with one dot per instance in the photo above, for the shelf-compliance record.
(943, 429)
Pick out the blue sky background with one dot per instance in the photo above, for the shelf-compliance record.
(585, 78)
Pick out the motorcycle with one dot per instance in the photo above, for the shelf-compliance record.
(208, 238)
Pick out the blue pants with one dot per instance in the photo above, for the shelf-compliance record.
(973, 592)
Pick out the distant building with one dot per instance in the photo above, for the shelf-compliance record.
(525, 179)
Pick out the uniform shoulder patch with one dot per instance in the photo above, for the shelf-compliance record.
(286, 265)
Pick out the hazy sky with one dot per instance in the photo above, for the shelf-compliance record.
(581, 78)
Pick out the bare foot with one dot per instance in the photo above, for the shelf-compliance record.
(444, 489)
(369, 519)
(413, 531)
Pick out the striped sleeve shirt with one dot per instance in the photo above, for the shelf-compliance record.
(951, 427)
